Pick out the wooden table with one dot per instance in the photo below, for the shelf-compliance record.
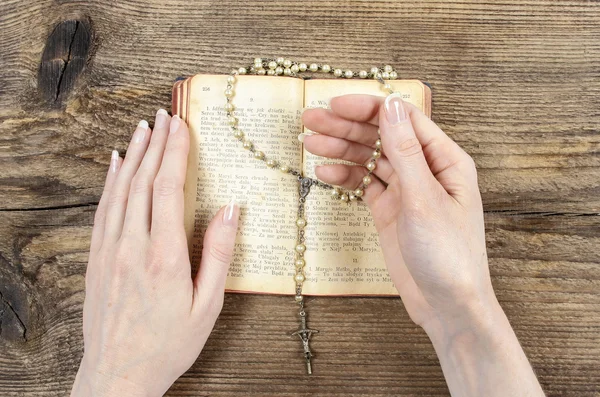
(516, 83)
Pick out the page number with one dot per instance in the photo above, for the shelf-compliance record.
(205, 88)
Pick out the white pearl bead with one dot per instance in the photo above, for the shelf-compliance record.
(238, 134)
(232, 120)
(287, 63)
(378, 144)
(231, 79)
(272, 65)
(287, 71)
(228, 107)
(278, 70)
(247, 145)
(228, 93)
(294, 68)
(300, 263)
(376, 154)
(261, 71)
(393, 75)
(337, 72)
(300, 222)
(377, 76)
(299, 278)
(352, 196)
(257, 60)
(302, 67)
(284, 168)
(300, 248)
(387, 86)
(363, 74)
(359, 192)
(326, 68)
(258, 65)
(259, 155)
(313, 67)
(371, 166)
(271, 163)
(271, 72)
(242, 71)
(344, 197)
(387, 68)
(348, 74)
(374, 70)
(280, 61)
(385, 75)
(367, 180)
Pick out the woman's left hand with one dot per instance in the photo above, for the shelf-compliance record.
(145, 320)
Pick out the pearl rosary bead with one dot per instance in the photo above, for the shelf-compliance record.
(348, 74)
(337, 72)
(300, 263)
(300, 248)
(326, 68)
(313, 67)
(302, 67)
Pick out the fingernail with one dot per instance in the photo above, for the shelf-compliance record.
(394, 109)
(175, 122)
(162, 112)
(305, 134)
(140, 131)
(229, 212)
(114, 161)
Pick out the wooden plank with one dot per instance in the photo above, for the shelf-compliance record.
(515, 83)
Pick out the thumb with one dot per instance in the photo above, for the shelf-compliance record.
(402, 147)
(217, 253)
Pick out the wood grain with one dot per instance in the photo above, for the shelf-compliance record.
(516, 83)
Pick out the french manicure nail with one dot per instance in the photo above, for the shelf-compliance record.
(394, 109)
(229, 212)
(114, 161)
(162, 112)
(140, 131)
(304, 135)
(175, 122)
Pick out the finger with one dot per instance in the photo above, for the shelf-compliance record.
(449, 163)
(337, 148)
(358, 107)
(217, 253)
(350, 177)
(167, 195)
(139, 208)
(117, 203)
(100, 216)
(404, 150)
(325, 121)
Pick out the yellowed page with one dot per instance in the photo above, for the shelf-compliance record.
(269, 111)
(343, 254)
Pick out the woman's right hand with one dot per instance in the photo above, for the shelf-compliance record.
(427, 209)
(429, 216)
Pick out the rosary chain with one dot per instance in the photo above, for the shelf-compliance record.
(281, 66)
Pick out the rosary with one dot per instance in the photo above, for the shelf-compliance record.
(282, 66)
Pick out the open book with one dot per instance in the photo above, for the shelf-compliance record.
(343, 256)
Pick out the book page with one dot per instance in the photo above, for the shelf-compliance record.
(269, 111)
(343, 255)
